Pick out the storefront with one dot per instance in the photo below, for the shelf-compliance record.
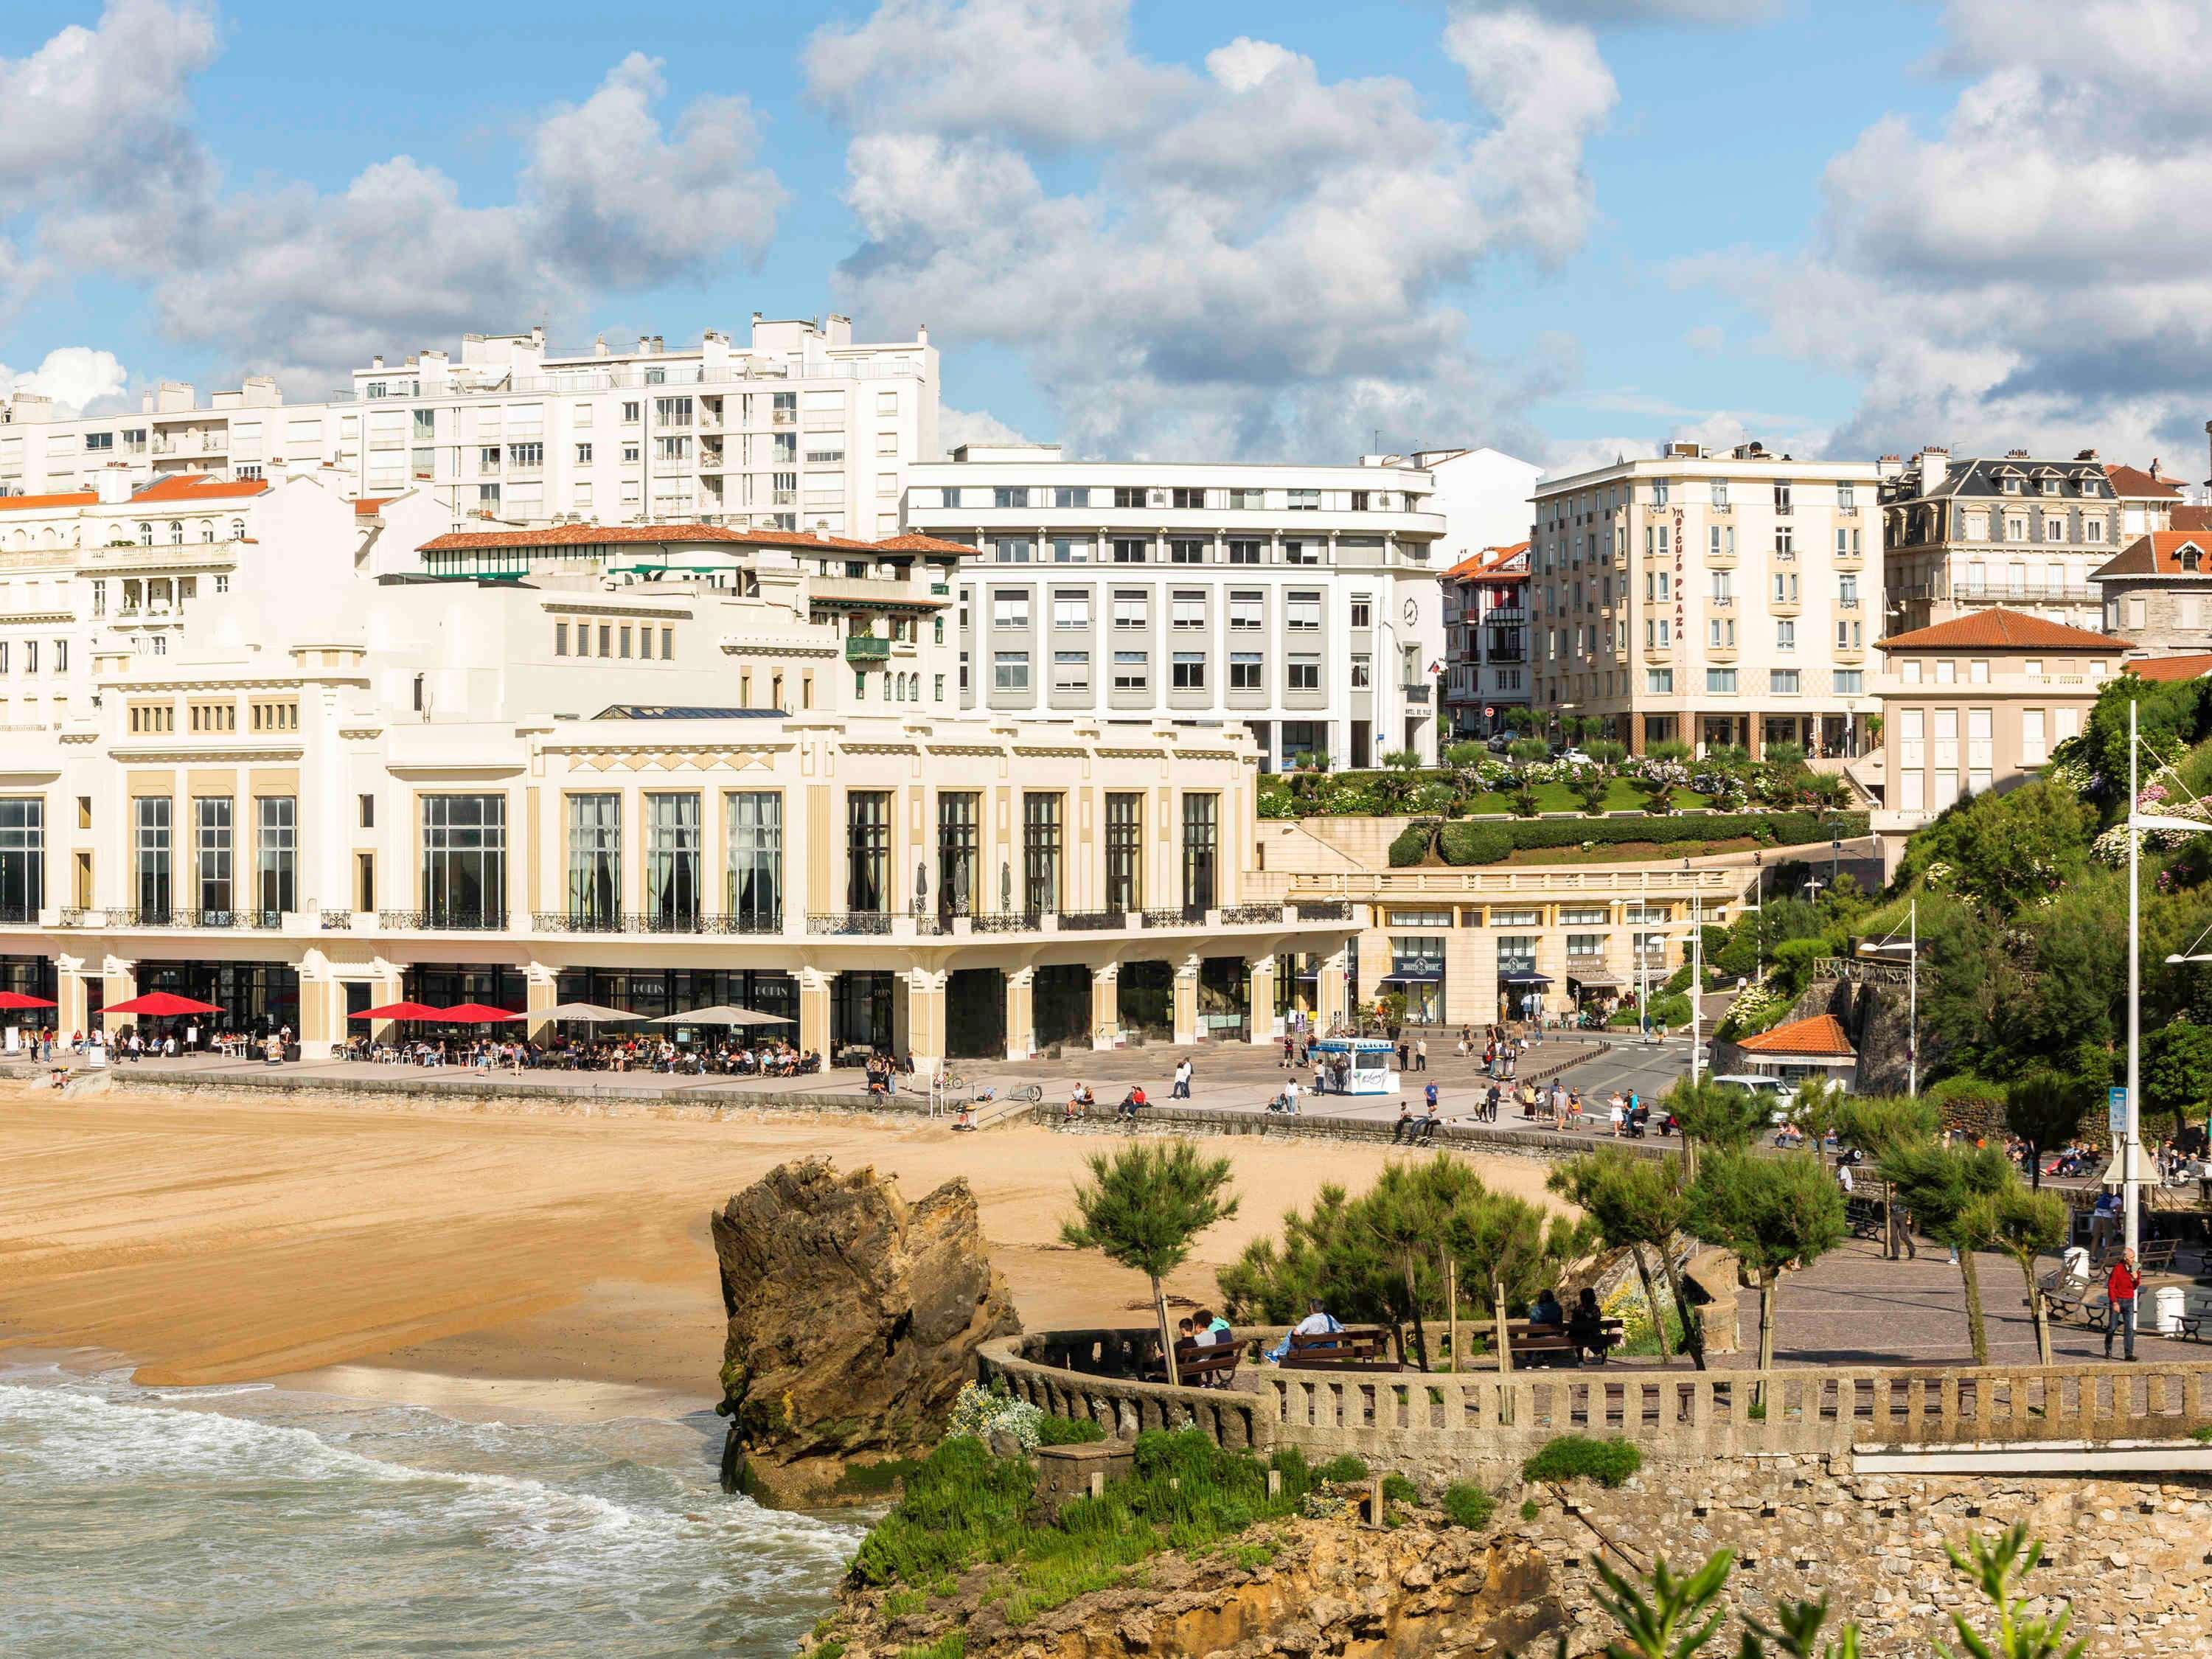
(259, 998)
(1417, 964)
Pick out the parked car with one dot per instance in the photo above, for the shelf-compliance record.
(1784, 1097)
(1572, 756)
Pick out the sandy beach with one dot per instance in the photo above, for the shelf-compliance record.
(494, 1261)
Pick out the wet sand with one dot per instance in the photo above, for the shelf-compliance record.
(492, 1262)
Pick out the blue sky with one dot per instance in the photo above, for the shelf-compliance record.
(1710, 281)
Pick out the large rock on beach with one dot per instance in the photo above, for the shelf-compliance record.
(853, 1319)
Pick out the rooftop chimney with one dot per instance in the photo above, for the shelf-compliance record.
(112, 483)
(377, 362)
(2086, 455)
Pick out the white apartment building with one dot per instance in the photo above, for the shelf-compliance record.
(1710, 598)
(1483, 495)
(655, 767)
(801, 428)
(1301, 602)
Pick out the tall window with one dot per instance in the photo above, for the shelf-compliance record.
(151, 854)
(867, 851)
(211, 852)
(755, 897)
(276, 853)
(958, 814)
(1125, 852)
(1201, 850)
(594, 860)
(23, 858)
(1040, 853)
(464, 860)
(672, 859)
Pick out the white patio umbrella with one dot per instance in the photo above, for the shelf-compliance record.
(588, 1013)
(722, 1014)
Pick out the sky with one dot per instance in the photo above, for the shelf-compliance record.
(1281, 231)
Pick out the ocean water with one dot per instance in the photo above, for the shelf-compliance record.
(250, 1521)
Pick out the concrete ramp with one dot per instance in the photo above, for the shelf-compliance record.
(2038, 1457)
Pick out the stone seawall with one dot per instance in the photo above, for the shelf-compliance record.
(1496, 1140)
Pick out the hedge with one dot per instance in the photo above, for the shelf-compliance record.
(1410, 847)
(1464, 842)
(1785, 828)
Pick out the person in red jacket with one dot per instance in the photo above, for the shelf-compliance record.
(2120, 1288)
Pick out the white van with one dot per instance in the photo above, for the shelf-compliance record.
(1772, 1089)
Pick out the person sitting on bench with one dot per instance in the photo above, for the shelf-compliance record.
(1546, 1311)
(1316, 1323)
(1132, 1101)
(1586, 1325)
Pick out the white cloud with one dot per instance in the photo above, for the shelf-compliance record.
(75, 377)
(2034, 271)
(304, 283)
(956, 426)
(1257, 261)
(1661, 11)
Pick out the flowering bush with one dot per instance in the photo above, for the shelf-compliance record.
(979, 1413)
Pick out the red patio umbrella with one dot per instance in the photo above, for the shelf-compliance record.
(14, 999)
(478, 1013)
(402, 1011)
(157, 1003)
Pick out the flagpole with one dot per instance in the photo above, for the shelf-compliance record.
(2133, 1121)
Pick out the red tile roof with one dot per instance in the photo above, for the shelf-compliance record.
(914, 543)
(2197, 519)
(1999, 629)
(1489, 563)
(2170, 668)
(368, 509)
(46, 503)
(2158, 553)
(673, 535)
(199, 487)
(2134, 482)
(1822, 1036)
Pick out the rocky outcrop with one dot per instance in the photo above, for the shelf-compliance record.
(1300, 1588)
(853, 1319)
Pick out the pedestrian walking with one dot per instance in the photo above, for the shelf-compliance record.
(1421, 1054)
(2121, 1285)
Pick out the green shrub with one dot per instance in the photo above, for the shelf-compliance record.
(1341, 1469)
(1468, 1505)
(1529, 1511)
(1411, 846)
(1578, 1457)
(1399, 1490)
(1069, 1431)
(1464, 842)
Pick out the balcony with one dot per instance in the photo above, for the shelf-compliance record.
(2003, 592)
(1250, 915)
(171, 917)
(1092, 921)
(849, 923)
(867, 649)
(657, 922)
(442, 922)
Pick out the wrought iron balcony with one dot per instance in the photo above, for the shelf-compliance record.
(1007, 922)
(656, 921)
(170, 916)
(337, 921)
(1246, 915)
(1091, 921)
(849, 921)
(1324, 909)
(866, 647)
(19, 913)
(454, 921)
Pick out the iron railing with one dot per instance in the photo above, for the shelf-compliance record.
(1007, 922)
(1091, 921)
(337, 921)
(657, 922)
(1244, 916)
(849, 921)
(453, 921)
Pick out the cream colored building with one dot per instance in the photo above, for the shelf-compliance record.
(1709, 598)
(658, 770)
(1979, 703)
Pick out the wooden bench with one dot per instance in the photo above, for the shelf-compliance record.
(1347, 1350)
(1550, 1345)
(1202, 1365)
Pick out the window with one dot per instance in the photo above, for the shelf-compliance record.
(1009, 496)
(526, 455)
(583, 455)
(1362, 672)
(1188, 670)
(1847, 494)
(1189, 610)
(1130, 608)
(1011, 550)
(1724, 586)
(1659, 681)
(1010, 607)
(1303, 501)
(1131, 671)
(755, 897)
(150, 856)
(868, 851)
(2093, 530)
(1721, 682)
(1071, 672)
(1040, 852)
(1244, 500)
(1183, 550)
(595, 861)
(2035, 749)
(211, 854)
(672, 859)
(951, 497)
(1070, 550)
(1062, 495)
(1303, 674)
(1010, 670)
(1786, 541)
(1302, 612)
(99, 442)
(1785, 636)
(1126, 496)
(1850, 682)
(364, 881)
(367, 811)
(488, 458)
(1247, 670)
(1362, 610)
(1131, 550)
(1183, 499)
(560, 639)
(1247, 610)
(23, 857)
(1201, 850)
(1659, 492)
(1783, 681)
(1125, 851)
(1243, 551)
(464, 860)
(1071, 610)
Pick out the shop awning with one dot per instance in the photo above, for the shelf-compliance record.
(1524, 978)
(1598, 980)
(1412, 978)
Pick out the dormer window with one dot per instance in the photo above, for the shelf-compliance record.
(2012, 486)
(2193, 561)
(2089, 486)
(2050, 486)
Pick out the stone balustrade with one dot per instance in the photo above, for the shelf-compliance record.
(1475, 1422)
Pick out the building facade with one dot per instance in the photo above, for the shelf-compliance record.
(655, 769)
(1978, 704)
(1709, 598)
(2015, 531)
(1301, 602)
(799, 428)
(1486, 641)
(2157, 591)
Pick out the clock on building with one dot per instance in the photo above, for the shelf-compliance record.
(1412, 613)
